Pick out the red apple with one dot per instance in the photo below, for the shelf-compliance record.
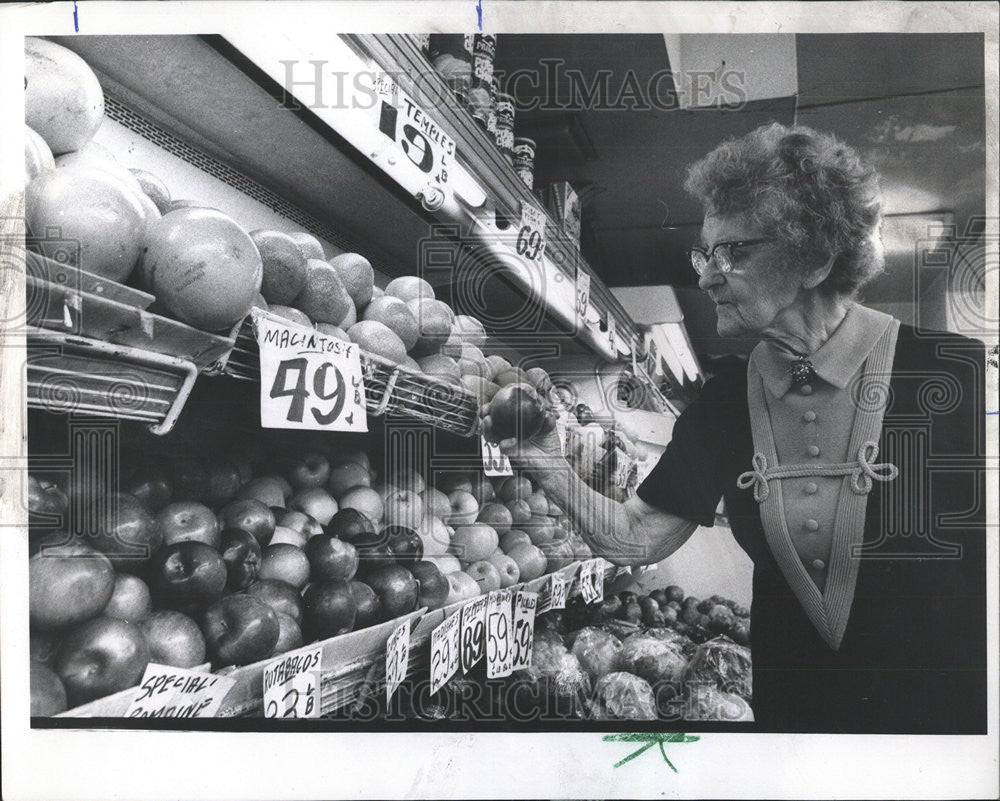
(101, 657)
(365, 500)
(269, 490)
(405, 544)
(373, 552)
(474, 542)
(347, 475)
(464, 507)
(496, 515)
(485, 575)
(351, 525)
(239, 630)
(531, 562)
(516, 487)
(189, 478)
(130, 600)
(68, 584)
(286, 563)
(187, 576)
(328, 610)
(513, 537)
(289, 635)
(520, 512)
(48, 696)
(482, 490)
(396, 588)
(308, 471)
(435, 503)
(151, 484)
(241, 553)
(46, 503)
(315, 502)
(252, 516)
(432, 586)
(189, 521)
(174, 639)
(224, 482)
(367, 604)
(331, 559)
(404, 508)
(43, 646)
(126, 532)
(307, 525)
(509, 572)
(281, 596)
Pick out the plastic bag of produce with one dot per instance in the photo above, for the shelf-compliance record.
(555, 685)
(622, 696)
(598, 651)
(704, 701)
(655, 659)
(724, 664)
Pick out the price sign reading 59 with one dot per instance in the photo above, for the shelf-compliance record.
(308, 380)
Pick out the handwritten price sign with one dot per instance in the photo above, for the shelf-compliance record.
(525, 604)
(495, 462)
(171, 692)
(592, 581)
(291, 686)
(499, 634)
(582, 295)
(397, 658)
(445, 651)
(308, 380)
(554, 594)
(531, 234)
(473, 633)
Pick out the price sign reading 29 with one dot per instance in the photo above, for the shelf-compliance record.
(308, 380)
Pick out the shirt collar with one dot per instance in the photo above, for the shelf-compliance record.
(837, 360)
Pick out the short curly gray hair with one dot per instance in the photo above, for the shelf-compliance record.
(807, 189)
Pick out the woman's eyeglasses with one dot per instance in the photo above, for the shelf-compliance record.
(723, 254)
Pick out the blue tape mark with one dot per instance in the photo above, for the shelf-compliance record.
(479, 13)
(76, 17)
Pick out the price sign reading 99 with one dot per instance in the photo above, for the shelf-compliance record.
(308, 380)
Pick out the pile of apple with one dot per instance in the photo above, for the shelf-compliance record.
(231, 561)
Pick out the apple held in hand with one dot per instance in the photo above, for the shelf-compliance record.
(101, 657)
(308, 471)
(282, 597)
(328, 610)
(239, 630)
(174, 639)
(130, 600)
(241, 553)
(396, 588)
(189, 521)
(515, 412)
(432, 586)
(485, 575)
(475, 542)
(68, 584)
(187, 576)
(252, 516)
(509, 572)
(331, 559)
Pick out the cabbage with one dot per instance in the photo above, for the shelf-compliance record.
(597, 650)
(707, 702)
(655, 659)
(723, 664)
(555, 683)
(622, 696)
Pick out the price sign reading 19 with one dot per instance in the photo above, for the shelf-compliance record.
(531, 234)
(308, 380)
(417, 134)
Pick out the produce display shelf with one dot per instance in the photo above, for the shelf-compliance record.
(79, 375)
(389, 388)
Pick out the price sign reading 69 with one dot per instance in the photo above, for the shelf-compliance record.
(308, 380)
(531, 234)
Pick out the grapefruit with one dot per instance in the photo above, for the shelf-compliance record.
(470, 330)
(332, 331)
(63, 100)
(394, 313)
(375, 337)
(358, 276)
(434, 319)
(37, 156)
(441, 366)
(324, 297)
(290, 314)
(284, 266)
(202, 266)
(154, 189)
(92, 208)
(408, 287)
(409, 363)
(96, 155)
(310, 245)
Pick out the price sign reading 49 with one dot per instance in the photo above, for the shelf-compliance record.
(308, 380)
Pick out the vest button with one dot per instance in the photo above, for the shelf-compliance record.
(818, 564)
(811, 525)
(809, 416)
(813, 450)
(806, 389)
(810, 488)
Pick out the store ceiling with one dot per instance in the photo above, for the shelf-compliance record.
(911, 103)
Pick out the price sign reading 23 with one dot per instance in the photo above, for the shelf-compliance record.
(308, 380)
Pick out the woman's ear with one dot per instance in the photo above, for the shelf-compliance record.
(819, 274)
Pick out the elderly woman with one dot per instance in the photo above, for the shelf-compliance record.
(848, 451)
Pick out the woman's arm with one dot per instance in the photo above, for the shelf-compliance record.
(630, 533)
